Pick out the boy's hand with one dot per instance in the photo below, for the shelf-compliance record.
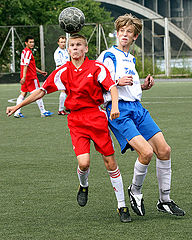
(126, 80)
(148, 83)
(44, 73)
(11, 110)
(114, 114)
(22, 81)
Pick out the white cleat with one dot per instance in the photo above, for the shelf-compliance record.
(18, 115)
(136, 202)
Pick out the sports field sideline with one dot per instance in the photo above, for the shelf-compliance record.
(39, 184)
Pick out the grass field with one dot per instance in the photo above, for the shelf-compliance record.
(38, 181)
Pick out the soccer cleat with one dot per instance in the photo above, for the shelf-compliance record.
(124, 214)
(136, 202)
(62, 113)
(170, 207)
(46, 114)
(67, 110)
(18, 115)
(82, 196)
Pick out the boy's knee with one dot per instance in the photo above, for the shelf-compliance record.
(110, 162)
(83, 161)
(146, 156)
(83, 166)
(164, 153)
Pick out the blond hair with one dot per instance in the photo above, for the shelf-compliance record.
(127, 20)
(76, 35)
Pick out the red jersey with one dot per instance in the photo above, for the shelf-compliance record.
(82, 85)
(27, 59)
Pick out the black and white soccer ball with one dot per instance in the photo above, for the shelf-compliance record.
(71, 20)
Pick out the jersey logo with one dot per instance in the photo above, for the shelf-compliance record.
(90, 75)
(129, 71)
(126, 60)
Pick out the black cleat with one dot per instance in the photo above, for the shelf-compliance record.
(170, 207)
(136, 202)
(82, 196)
(124, 214)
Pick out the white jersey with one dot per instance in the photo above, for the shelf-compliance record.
(61, 56)
(121, 64)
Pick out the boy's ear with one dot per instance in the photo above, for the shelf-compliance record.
(86, 50)
(135, 37)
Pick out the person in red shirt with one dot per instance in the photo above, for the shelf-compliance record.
(84, 81)
(29, 81)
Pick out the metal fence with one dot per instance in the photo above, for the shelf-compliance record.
(160, 48)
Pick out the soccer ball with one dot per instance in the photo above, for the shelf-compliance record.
(71, 20)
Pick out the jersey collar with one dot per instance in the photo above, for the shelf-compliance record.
(126, 54)
(80, 68)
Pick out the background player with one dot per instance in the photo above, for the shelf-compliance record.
(29, 81)
(81, 78)
(61, 56)
(135, 128)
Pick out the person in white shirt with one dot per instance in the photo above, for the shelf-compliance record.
(135, 128)
(61, 56)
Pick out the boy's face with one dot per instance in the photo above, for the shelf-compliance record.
(62, 43)
(30, 44)
(77, 48)
(126, 35)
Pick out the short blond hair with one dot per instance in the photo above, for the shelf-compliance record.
(127, 20)
(76, 35)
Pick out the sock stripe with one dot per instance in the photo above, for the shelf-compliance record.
(79, 171)
(137, 186)
(115, 174)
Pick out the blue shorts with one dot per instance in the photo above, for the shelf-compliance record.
(134, 120)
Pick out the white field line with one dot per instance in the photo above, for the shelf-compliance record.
(13, 100)
(166, 102)
(169, 97)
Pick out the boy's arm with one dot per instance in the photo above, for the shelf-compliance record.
(32, 98)
(41, 72)
(22, 81)
(114, 109)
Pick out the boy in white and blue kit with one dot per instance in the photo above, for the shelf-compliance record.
(135, 128)
(61, 56)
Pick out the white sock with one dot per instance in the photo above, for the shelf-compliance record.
(83, 176)
(41, 105)
(117, 183)
(163, 170)
(140, 171)
(19, 100)
(62, 98)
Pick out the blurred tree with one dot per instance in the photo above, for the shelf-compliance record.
(46, 12)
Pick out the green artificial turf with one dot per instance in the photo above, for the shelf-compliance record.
(38, 180)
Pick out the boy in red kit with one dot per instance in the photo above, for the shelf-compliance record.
(29, 81)
(82, 78)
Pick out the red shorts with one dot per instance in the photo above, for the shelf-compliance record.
(30, 85)
(90, 124)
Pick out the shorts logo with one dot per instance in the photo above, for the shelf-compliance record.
(90, 75)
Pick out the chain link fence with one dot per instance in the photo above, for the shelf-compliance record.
(161, 48)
